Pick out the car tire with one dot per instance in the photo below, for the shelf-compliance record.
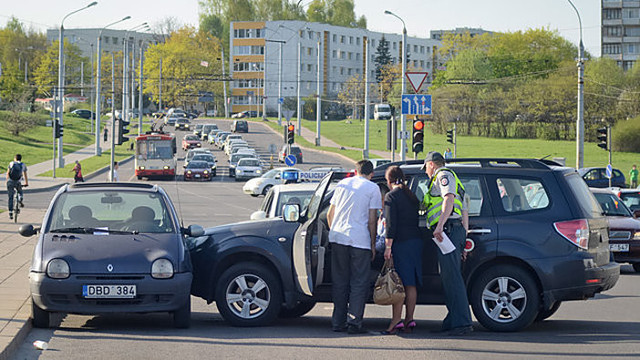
(544, 314)
(636, 267)
(41, 318)
(182, 316)
(246, 307)
(254, 195)
(300, 309)
(266, 190)
(139, 177)
(505, 298)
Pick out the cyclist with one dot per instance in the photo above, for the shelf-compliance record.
(15, 172)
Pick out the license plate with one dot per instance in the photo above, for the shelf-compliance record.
(619, 247)
(197, 175)
(109, 291)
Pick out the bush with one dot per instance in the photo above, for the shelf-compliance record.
(626, 135)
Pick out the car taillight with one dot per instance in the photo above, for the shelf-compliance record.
(576, 231)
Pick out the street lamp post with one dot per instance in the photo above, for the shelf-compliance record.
(403, 125)
(61, 77)
(98, 96)
(365, 44)
(318, 101)
(580, 121)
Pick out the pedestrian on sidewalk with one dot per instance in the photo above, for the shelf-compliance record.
(115, 172)
(352, 219)
(77, 169)
(105, 133)
(633, 177)
(15, 172)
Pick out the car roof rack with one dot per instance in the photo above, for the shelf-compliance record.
(125, 185)
(484, 162)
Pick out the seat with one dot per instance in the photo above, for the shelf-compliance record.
(142, 220)
(81, 216)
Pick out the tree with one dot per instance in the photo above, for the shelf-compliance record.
(316, 12)
(353, 93)
(468, 66)
(17, 101)
(382, 58)
(46, 73)
(19, 48)
(341, 12)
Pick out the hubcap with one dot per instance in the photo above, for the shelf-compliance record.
(248, 296)
(504, 299)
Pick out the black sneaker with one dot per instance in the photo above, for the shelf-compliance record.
(21, 204)
(356, 330)
(340, 329)
(460, 331)
(10, 216)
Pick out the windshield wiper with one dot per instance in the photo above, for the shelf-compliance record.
(90, 230)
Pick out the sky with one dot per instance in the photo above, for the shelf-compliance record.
(420, 16)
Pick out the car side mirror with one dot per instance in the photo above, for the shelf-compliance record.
(184, 166)
(291, 212)
(193, 231)
(636, 214)
(27, 230)
(258, 215)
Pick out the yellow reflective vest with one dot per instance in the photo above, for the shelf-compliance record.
(433, 204)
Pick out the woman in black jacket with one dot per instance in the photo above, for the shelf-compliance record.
(404, 244)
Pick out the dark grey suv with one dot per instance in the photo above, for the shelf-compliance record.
(537, 238)
(107, 247)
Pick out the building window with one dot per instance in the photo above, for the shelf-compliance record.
(357, 41)
(115, 41)
(248, 66)
(342, 55)
(335, 70)
(373, 42)
(309, 51)
(342, 39)
(395, 45)
(106, 39)
(350, 56)
(357, 71)
(611, 49)
(632, 31)
(334, 53)
(631, 49)
(309, 67)
(422, 64)
(350, 40)
(612, 14)
(627, 65)
(612, 31)
(341, 70)
(631, 13)
(248, 50)
(301, 34)
(421, 49)
(357, 56)
(310, 34)
(349, 71)
(335, 38)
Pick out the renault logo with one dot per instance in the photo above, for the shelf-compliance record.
(110, 268)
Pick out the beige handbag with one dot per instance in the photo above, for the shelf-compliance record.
(388, 289)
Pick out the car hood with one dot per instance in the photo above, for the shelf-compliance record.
(272, 228)
(623, 223)
(254, 182)
(252, 168)
(128, 254)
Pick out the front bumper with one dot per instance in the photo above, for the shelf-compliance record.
(631, 256)
(153, 295)
(202, 177)
(155, 172)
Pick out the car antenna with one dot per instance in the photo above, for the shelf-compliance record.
(542, 158)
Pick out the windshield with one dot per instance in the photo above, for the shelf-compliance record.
(236, 157)
(182, 121)
(201, 157)
(154, 149)
(199, 127)
(191, 137)
(271, 174)
(208, 128)
(631, 199)
(248, 162)
(611, 205)
(383, 108)
(111, 210)
(301, 198)
(197, 165)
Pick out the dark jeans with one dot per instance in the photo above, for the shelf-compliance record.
(350, 269)
(12, 186)
(451, 274)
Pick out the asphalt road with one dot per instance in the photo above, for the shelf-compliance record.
(605, 327)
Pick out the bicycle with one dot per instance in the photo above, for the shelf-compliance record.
(17, 200)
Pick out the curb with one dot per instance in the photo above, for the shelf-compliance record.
(106, 168)
(22, 321)
(310, 148)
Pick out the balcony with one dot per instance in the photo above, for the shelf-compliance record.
(606, 4)
(611, 22)
(631, 21)
(611, 39)
(630, 3)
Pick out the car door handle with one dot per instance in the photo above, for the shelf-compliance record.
(479, 231)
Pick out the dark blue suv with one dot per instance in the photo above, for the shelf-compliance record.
(537, 238)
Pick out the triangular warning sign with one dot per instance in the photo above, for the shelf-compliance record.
(416, 79)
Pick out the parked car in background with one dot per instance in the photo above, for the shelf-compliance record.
(110, 248)
(84, 113)
(198, 170)
(631, 198)
(183, 124)
(624, 228)
(262, 185)
(295, 150)
(279, 195)
(240, 115)
(240, 126)
(597, 177)
(248, 168)
(191, 141)
(379, 162)
(382, 112)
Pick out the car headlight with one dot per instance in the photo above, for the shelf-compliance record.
(206, 172)
(636, 236)
(188, 171)
(162, 269)
(198, 144)
(141, 167)
(258, 172)
(166, 167)
(58, 269)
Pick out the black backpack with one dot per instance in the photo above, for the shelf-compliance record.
(15, 172)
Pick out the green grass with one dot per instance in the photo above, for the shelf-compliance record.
(93, 163)
(352, 135)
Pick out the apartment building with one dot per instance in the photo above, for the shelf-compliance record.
(621, 31)
(254, 59)
(112, 40)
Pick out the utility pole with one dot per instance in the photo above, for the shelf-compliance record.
(160, 88)
(280, 88)
(365, 42)
(125, 80)
(299, 107)
(140, 100)
(318, 101)
(224, 85)
(113, 116)
(264, 84)
(82, 78)
(91, 90)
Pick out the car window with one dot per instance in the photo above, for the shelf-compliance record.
(519, 194)
(472, 189)
(592, 175)
(113, 210)
(301, 198)
(632, 200)
(197, 165)
(191, 137)
(617, 173)
(611, 205)
(266, 203)
(248, 162)
(583, 196)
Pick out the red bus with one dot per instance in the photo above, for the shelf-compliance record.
(155, 155)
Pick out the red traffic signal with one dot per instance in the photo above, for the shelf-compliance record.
(291, 128)
(418, 125)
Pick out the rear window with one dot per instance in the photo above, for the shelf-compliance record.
(583, 196)
(611, 205)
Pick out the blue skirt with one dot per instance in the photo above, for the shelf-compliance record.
(407, 259)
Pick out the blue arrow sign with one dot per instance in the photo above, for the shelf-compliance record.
(290, 160)
(416, 104)
(281, 100)
(609, 171)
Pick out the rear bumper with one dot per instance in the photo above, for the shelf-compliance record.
(593, 280)
(153, 295)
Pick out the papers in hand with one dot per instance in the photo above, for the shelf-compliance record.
(446, 246)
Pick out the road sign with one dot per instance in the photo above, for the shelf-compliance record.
(416, 79)
(609, 171)
(280, 100)
(249, 93)
(272, 148)
(287, 114)
(416, 104)
(290, 160)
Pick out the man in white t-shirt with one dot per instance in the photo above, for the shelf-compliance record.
(352, 219)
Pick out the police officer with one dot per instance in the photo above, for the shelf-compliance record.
(443, 202)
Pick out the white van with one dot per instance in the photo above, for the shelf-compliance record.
(381, 112)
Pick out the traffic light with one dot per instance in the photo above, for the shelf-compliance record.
(291, 133)
(58, 129)
(451, 135)
(603, 138)
(418, 136)
(120, 131)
